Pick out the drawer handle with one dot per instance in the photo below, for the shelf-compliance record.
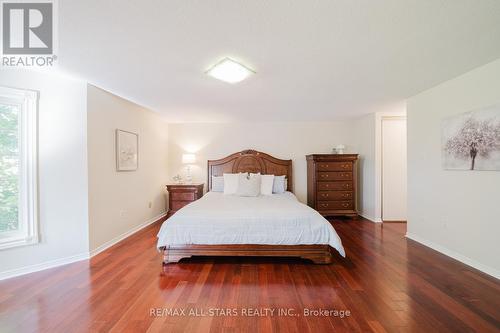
(325, 195)
(327, 185)
(324, 205)
(345, 205)
(324, 176)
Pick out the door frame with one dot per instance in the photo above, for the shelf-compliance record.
(385, 118)
(379, 118)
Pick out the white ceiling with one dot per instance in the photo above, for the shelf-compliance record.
(315, 60)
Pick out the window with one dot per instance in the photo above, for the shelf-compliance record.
(18, 167)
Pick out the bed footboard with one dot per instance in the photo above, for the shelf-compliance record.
(318, 254)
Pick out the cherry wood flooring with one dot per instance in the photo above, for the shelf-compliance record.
(387, 283)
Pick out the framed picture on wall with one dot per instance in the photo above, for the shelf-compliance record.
(471, 141)
(127, 150)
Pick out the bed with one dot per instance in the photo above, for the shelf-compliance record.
(227, 225)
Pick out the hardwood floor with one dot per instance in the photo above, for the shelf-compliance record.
(387, 283)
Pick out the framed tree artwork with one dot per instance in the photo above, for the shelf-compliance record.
(127, 150)
(471, 141)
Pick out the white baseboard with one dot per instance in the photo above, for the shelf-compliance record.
(455, 255)
(371, 218)
(42, 266)
(121, 237)
(68, 260)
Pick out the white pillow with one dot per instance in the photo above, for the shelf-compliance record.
(279, 184)
(217, 183)
(266, 184)
(230, 183)
(248, 185)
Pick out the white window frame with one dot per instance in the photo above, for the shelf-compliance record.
(27, 102)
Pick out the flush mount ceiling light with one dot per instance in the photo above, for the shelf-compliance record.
(230, 71)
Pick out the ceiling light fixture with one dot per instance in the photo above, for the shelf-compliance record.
(230, 71)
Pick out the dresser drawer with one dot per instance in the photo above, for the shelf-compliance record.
(188, 196)
(176, 205)
(326, 176)
(334, 166)
(335, 205)
(334, 195)
(335, 186)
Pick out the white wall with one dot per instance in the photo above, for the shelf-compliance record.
(364, 141)
(368, 143)
(285, 140)
(119, 201)
(455, 212)
(62, 173)
(394, 169)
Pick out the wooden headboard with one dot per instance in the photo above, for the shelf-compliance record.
(251, 161)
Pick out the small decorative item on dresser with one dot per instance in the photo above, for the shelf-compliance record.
(177, 179)
(331, 184)
(340, 149)
(179, 195)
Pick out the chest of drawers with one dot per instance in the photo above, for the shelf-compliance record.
(331, 184)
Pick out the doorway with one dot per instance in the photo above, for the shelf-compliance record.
(394, 169)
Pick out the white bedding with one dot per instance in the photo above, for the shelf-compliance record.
(278, 219)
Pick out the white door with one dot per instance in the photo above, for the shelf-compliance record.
(394, 169)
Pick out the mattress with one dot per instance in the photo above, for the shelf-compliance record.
(278, 219)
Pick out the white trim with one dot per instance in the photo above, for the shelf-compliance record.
(121, 237)
(455, 255)
(27, 101)
(79, 257)
(371, 218)
(19, 240)
(42, 266)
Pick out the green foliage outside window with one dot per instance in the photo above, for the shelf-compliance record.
(9, 167)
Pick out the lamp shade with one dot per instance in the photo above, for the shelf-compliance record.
(188, 158)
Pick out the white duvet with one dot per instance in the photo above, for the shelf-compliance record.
(279, 219)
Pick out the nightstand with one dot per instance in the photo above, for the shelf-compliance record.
(179, 195)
